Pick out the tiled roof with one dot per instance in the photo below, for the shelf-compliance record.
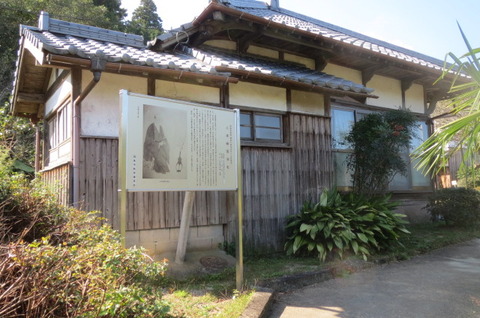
(282, 70)
(327, 30)
(61, 42)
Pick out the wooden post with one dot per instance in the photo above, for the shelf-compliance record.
(184, 227)
(239, 249)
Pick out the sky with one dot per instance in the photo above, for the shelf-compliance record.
(426, 26)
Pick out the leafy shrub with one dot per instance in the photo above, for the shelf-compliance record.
(377, 142)
(456, 206)
(57, 262)
(340, 223)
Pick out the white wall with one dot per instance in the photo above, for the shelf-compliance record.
(344, 72)
(306, 102)
(310, 63)
(414, 99)
(188, 92)
(388, 90)
(258, 96)
(101, 108)
(59, 96)
(252, 49)
(165, 240)
(223, 44)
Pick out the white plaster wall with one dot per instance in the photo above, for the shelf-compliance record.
(223, 44)
(188, 92)
(310, 63)
(344, 72)
(101, 108)
(165, 240)
(414, 99)
(388, 90)
(59, 96)
(306, 102)
(252, 49)
(260, 96)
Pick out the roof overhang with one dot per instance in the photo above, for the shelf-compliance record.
(218, 20)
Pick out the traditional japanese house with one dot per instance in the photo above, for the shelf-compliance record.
(299, 83)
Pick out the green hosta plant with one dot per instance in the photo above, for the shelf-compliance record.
(340, 223)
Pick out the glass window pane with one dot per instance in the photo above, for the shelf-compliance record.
(245, 132)
(342, 123)
(267, 121)
(399, 181)
(268, 133)
(420, 135)
(245, 119)
(342, 177)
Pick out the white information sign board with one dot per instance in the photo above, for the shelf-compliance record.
(173, 145)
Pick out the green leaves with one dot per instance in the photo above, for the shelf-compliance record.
(434, 153)
(338, 224)
(377, 142)
(456, 206)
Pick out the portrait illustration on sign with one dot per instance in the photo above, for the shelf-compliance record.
(164, 143)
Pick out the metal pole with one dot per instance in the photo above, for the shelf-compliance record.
(239, 249)
(122, 168)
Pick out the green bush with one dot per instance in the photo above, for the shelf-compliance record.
(378, 141)
(56, 261)
(340, 223)
(455, 206)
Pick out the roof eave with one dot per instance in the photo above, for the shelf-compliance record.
(285, 82)
(215, 6)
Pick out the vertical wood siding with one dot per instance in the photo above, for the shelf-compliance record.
(276, 183)
(278, 180)
(59, 180)
(99, 177)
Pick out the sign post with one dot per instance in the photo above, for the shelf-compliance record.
(172, 145)
(239, 247)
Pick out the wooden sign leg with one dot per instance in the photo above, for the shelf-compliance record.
(184, 227)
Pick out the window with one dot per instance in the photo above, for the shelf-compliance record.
(57, 136)
(342, 121)
(59, 127)
(261, 127)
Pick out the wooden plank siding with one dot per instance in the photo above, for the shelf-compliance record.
(278, 180)
(276, 183)
(59, 180)
(99, 177)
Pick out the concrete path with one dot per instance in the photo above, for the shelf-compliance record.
(443, 284)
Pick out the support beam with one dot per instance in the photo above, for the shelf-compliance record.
(434, 99)
(405, 84)
(367, 74)
(244, 42)
(151, 88)
(320, 63)
(185, 227)
(31, 98)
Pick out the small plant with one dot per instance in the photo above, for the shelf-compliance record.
(455, 206)
(340, 223)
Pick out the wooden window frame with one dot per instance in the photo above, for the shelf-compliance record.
(252, 126)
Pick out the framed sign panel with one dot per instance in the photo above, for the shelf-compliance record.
(171, 145)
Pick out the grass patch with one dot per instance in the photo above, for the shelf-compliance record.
(196, 304)
(427, 237)
(215, 295)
